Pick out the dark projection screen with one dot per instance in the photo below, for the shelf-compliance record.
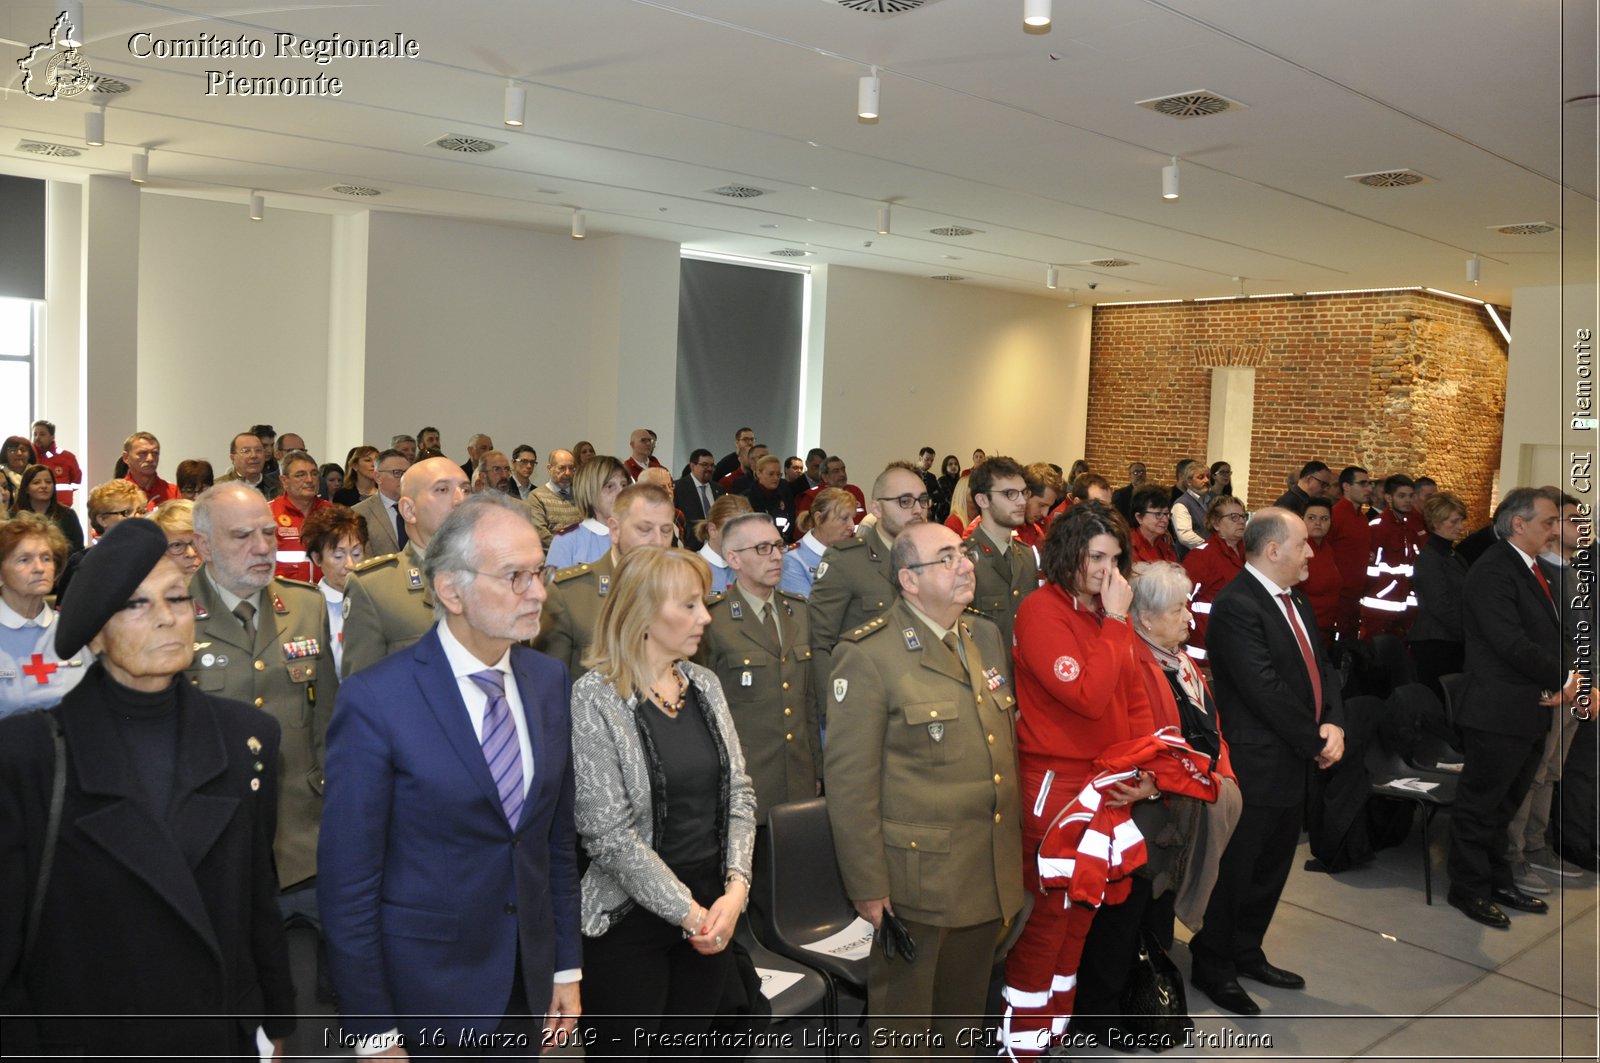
(21, 238)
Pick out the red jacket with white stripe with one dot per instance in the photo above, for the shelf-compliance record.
(1091, 848)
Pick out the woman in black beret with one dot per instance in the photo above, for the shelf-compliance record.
(138, 903)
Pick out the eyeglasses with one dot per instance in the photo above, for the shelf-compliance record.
(1232, 516)
(138, 607)
(761, 549)
(1324, 483)
(525, 461)
(1361, 483)
(391, 472)
(951, 561)
(1155, 514)
(908, 501)
(1010, 494)
(116, 513)
(522, 579)
(179, 547)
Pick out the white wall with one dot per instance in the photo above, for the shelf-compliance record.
(1538, 438)
(233, 325)
(911, 362)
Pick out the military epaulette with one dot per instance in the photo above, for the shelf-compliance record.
(297, 583)
(376, 562)
(973, 610)
(572, 572)
(857, 634)
(713, 599)
(850, 543)
(791, 595)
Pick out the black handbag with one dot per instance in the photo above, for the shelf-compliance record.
(1155, 1011)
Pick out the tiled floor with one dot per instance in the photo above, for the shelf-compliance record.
(1388, 977)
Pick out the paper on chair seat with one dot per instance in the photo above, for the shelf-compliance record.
(851, 943)
(775, 982)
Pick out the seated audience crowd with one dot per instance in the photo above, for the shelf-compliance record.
(507, 741)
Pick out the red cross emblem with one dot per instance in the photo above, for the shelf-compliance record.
(39, 669)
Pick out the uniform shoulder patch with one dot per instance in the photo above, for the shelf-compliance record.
(791, 595)
(972, 610)
(713, 599)
(286, 581)
(859, 633)
(849, 544)
(377, 562)
(572, 572)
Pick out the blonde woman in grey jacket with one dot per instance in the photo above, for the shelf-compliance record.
(665, 811)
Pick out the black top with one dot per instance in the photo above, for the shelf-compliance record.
(1199, 727)
(690, 772)
(348, 496)
(148, 727)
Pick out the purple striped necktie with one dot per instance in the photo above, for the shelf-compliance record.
(500, 746)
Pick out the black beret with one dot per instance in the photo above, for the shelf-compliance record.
(110, 572)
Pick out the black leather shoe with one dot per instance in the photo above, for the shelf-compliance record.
(1229, 995)
(1480, 911)
(1516, 900)
(1267, 974)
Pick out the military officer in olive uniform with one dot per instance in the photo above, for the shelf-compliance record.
(264, 641)
(759, 644)
(1007, 570)
(853, 582)
(387, 604)
(922, 791)
(642, 515)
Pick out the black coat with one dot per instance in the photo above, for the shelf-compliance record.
(686, 499)
(1513, 646)
(143, 917)
(1438, 579)
(1264, 696)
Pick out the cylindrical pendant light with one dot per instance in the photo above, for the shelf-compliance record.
(73, 30)
(139, 169)
(258, 206)
(1169, 180)
(579, 229)
(883, 220)
(1036, 13)
(94, 127)
(1473, 270)
(516, 105)
(1050, 278)
(867, 97)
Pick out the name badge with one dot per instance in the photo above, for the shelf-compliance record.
(744, 679)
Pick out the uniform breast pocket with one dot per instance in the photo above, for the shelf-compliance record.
(991, 604)
(916, 854)
(210, 680)
(745, 675)
(928, 726)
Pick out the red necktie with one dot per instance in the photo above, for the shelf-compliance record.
(1538, 574)
(1305, 652)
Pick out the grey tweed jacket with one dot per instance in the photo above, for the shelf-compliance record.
(615, 810)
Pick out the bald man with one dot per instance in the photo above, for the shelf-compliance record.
(387, 602)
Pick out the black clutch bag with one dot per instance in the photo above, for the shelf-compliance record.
(1154, 1007)
(896, 939)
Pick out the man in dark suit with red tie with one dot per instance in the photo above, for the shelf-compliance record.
(1515, 681)
(1284, 718)
(449, 887)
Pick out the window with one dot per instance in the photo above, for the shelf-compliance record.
(19, 337)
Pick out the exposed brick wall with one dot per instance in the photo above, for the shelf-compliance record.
(1396, 381)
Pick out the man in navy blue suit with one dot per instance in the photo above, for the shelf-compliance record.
(449, 889)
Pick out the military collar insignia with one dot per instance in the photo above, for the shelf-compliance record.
(605, 586)
(735, 609)
(912, 642)
(278, 606)
(414, 579)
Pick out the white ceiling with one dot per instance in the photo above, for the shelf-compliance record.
(637, 107)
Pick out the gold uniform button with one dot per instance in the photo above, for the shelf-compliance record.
(786, 686)
(913, 845)
(747, 660)
(934, 714)
(788, 738)
(997, 779)
(997, 817)
(787, 711)
(260, 702)
(978, 700)
(261, 666)
(1016, 594)
(991, 740)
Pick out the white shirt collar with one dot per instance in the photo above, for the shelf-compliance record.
(712, 557)
(596, 526)
(462, 661)
(1272, 588)
(329, 593)
(1526, 559)
(812, 543)
(10, 618)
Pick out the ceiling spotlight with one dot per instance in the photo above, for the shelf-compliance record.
(94, 127)
(867, 97)
(258, 206)
(139, 169)
(579, 230)
(1036, 14)
(1051, 277)
(73, 30)
(1073, 292)
(516, 105)
(1473, 269)
(1169, 180)
(883, 220)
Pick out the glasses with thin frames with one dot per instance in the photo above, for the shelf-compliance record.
(908, 501)
(761, 549)
(949, 561)
(522, 579)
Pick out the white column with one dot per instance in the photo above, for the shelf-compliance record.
(109, 322)
(634, 345)
(345, 411)
(1233, 414)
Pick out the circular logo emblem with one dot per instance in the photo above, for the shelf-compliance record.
(285, 520)
(1067, 669)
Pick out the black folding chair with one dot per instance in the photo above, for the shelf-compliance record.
(1388, 768)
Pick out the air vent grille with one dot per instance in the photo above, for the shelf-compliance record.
(357, 190)
(947, 277)
(1197, 103)
(738, 191)
(1400, 178)
(790, 252)
(954, 230)
(1109, 263)
(464, 143)
(107, 86)
(54, 151)
(883, 7)
(1527, 228)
